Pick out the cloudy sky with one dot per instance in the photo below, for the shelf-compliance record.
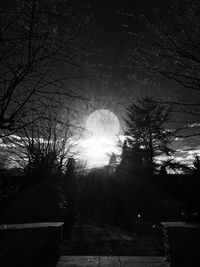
(114, 85)
(115, 89)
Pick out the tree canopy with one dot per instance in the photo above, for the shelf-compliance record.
(40, 56)
(167, 49)
(146, 128)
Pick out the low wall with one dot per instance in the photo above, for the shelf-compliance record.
(32, 244)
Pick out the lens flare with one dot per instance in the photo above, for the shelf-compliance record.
(102, 126)
(103, 122)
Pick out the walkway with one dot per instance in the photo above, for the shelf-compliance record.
(88, 238)
(114, 261)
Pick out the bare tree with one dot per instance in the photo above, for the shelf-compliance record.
(169, 48)
(43, 148)
(40, 56)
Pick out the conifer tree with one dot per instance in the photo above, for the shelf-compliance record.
(146, 129)
(196, 164)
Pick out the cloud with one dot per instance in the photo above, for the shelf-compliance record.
(195, 124)
(194, 151)
(178, 139)
(190, 157)
(187, 154)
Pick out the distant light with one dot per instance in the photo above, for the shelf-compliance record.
(103, 122)
(103, 126)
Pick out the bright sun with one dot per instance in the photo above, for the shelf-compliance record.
(103, 122)
(102, 126)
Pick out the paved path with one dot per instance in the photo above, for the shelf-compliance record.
(98, 230)
(87, 238)
(114, 261)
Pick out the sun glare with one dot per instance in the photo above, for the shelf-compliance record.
(103, 122)
(103, 126)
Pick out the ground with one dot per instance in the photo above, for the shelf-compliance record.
(88, 238)
(105, 224)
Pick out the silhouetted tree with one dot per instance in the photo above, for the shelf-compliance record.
(196, 164)
(43, 148)
(176, 166)
(112, 162)
(70, 177)
(124, 153)
(163, 170)
(38, 59)
(70, 174)
(131, 159)
(4, 158)
(146, 129)
(169, 49)
(71, 192)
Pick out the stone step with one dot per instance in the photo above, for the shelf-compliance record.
(112, 261)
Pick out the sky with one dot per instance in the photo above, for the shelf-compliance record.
(114, 89)
(109, 44)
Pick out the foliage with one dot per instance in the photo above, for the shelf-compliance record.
(146, 128)
(196, 164)
(175, 166)
(43, 148)
(131, 159)
(112, 160)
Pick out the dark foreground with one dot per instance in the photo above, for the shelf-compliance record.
(184, 247)
(29, 247)
(103, 222)
(88, 238)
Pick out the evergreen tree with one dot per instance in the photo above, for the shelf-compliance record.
(131, 159)
(163, 170)
(113, 160)
(196, 164)
(146, 133)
